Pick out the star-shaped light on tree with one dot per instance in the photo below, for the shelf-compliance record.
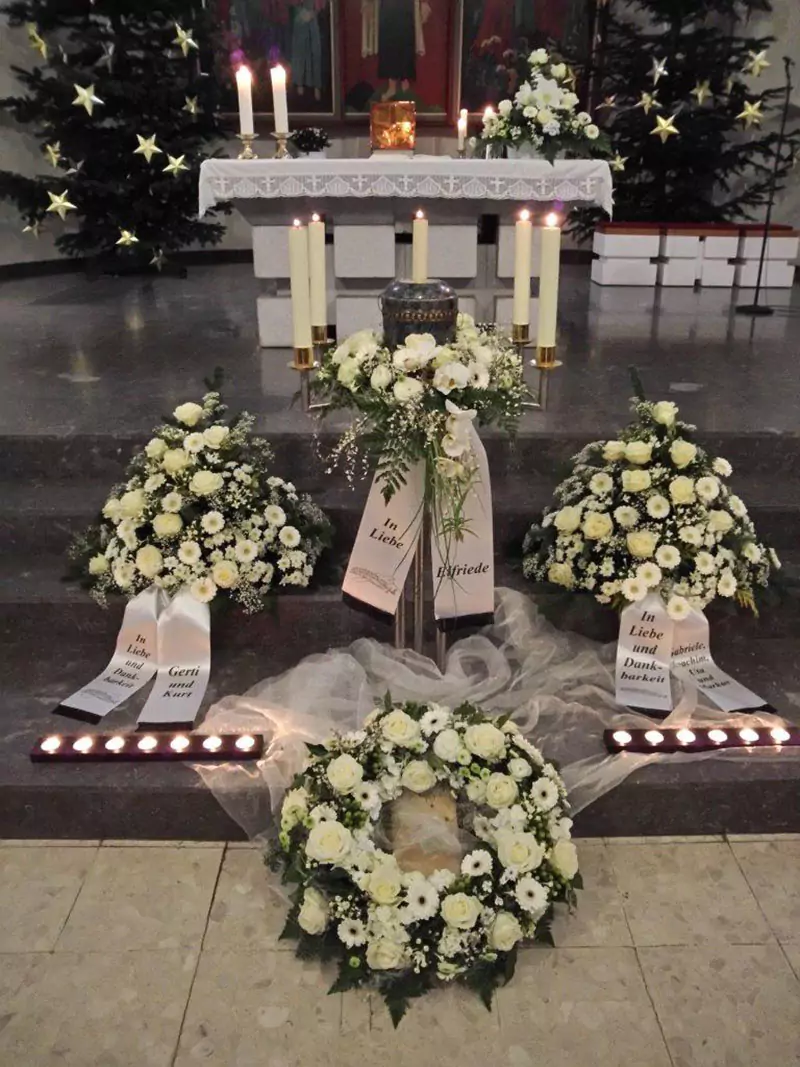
(35, 41)
(175, 165)
(571, 78)
(618, 162)
(665, 128)
(648, 102)
(702, 91)
(659, 70)
(158, 259)
(756, 63)
(86, 98)
(34, 227)
(127, 238)
(107, 58)
(147, 147)
(184, 39)
(191, 105)
(59, 204)
(53, 153)
(752, 114)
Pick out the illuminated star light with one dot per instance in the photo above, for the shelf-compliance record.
(35, 41)
(158, 259)
(127, 237)
(752, 114)
(53, 153)
(59, 204)
(665, 128)
(147, 147)
(649, 102)
(86, 98)
(34, 227)
(191, 105)
(184, 39)
(757, 62)
(618, 162)
(702, 91)
(659, 70)
(175, 166)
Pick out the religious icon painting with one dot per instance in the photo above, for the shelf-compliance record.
(301, 35)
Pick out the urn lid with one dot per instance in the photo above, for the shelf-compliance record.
(419, 307)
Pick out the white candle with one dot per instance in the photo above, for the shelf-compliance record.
(419, 249)
(299, 281)
(548, 282)
(462, 129)
(280, 107)
(316, 258)
(244, 86)
(523, 243)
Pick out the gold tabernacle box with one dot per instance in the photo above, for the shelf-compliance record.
(393, 125)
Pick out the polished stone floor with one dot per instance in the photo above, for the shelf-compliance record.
(109, 356)
(684, 952)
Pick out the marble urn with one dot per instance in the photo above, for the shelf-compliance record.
(418, 307)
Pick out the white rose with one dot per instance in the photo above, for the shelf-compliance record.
(519, 769)
(214, 436)
(167, 524)
(664, 412)
(476, 790)
(418, 776)
(98, 565)
(313, 915)
(174, 460)
(447, 746)
(329, 842)
(592, 131)
(131, 504)
(719, 521)
(568, 519)
(681, 490)
(400, 728)
(505, 932)
(344, 773)
(635, 481)
(520, 852)
(385, 955)
(561, 574)
(682, 452)
(204, 482)
(461, 910)
(385, 883)
(485, 741)
(225, 574)
(155, 448)
(149, 561)
(638, 452)
(501, 791)
(189, 414)
(505, 108)
(564, 859)
(641, 543)
(596, 526)
(407, 389)
(614, 450)
(381, 378)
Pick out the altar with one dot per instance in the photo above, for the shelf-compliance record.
(368, 205)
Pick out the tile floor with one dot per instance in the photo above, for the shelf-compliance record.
(684, 953)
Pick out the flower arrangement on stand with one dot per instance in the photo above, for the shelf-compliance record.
(543, 118)
(650, 512)
(310, 140)
(402, 931)
(199, 509)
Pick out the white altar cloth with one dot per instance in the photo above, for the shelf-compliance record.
(421, 178)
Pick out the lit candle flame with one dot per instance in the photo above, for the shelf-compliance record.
(524, 214)
(315, 217)
(243, 74)
(420, 214)
(551, 219)
(488, 113)
(297, 223)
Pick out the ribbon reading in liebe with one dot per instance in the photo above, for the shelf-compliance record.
(171, 640)
(652, 646)
(463, 569)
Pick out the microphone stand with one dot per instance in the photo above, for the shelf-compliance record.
(756, 309)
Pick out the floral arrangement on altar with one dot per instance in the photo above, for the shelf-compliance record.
(310, 139)
(650, 512)
(419, 402)
(402, 931)
(543, 115)
(199, 509)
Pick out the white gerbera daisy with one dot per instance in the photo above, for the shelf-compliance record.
(189, 553)
(722, 467)
(649, 573)
(626, 516)
(289, 536)
(435, 719)
(368, 796)
(352, 932)
(658, 506)
(422, 900)
(477, 863)
(545, 794)
(707, 488)
(531, 895)
(752, 552)
(155, 481)
(691, 535)
(203, 590)
(212, 522)
(705, 563)
(678, 607)
(274, 515)
(634, 589)
(601, 483)
(726, 586)
(246, 551)
(737, 506)
(668, 557)
(172, 502)
(194, 442)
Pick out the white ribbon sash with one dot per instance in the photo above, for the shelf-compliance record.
(133, 664)
(463, 570)
(184, 658)
(692, 662)
(385, 544)
(643, 655)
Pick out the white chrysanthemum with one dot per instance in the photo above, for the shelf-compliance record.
(155, 481)
(422, 900)
(707, 488)
(649, 573)
(726, 586)
(705, 563)
(172, 502)
(194, 442)
(634, 589)
(531, 895)
(658, 506)
(352, 932)
(737, 506)
(189, 553)
(678, 607)
(692, 535)
(225, 574)
(435, 719)
(721, 467)
(545, 794)
(246, 551)
(212, 522)
(476, 864)
(275, 515)
(752, 552)
(203, 590)
(668, 557)
(626, 516)
(601, 483)
(289, 536)
(124, 573)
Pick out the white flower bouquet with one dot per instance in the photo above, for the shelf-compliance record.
(402, 931)
(544, 115)
(198, 509)
(418, 403)
(650, 512)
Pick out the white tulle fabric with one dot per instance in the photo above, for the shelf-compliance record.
(558, 687)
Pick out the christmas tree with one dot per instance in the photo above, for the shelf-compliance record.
(121, 100)
(677, 88)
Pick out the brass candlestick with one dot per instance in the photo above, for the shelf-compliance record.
(247, 145)
(303, 363)
(281, 151)
(544, 363)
